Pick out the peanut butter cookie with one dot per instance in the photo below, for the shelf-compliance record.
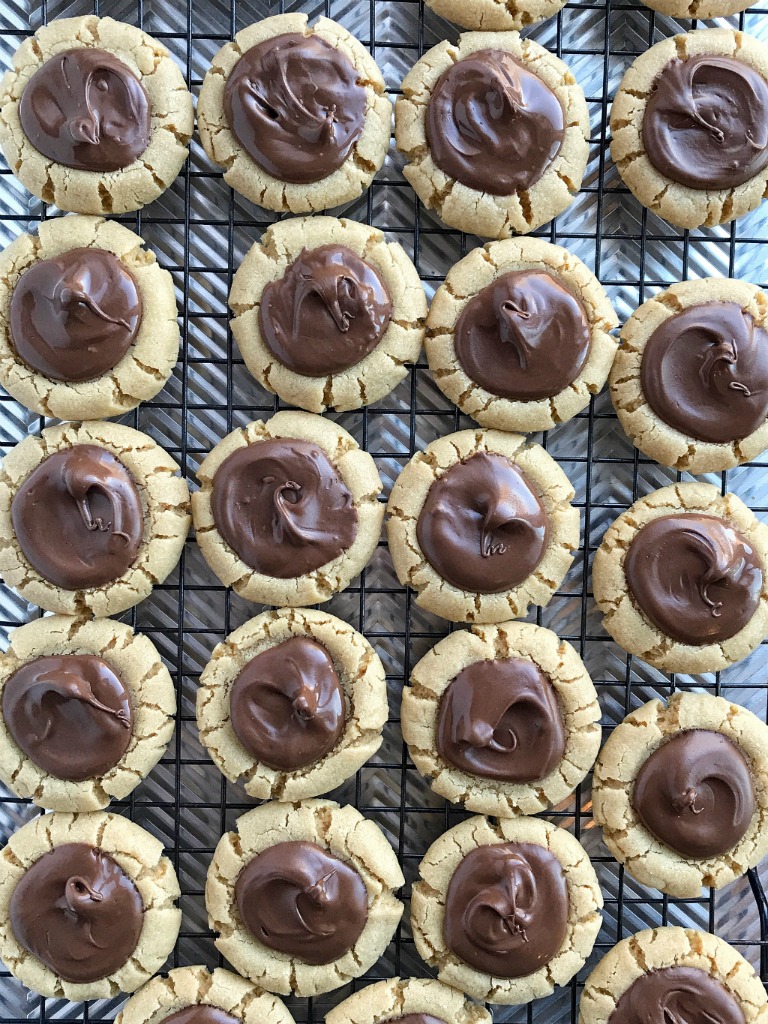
(411, 1000)
(492, 16)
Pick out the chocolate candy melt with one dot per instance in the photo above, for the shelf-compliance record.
(71, 714)
(492, 124)
(282, 507)
(74, 317)
(705, 123)
(695, 794)
(301, 900)
(78, 518)
(287, 705)
(77, 911)
(676, 995)
(705, 372)
(524, 336)
(696, 577)
(326, 313)
(201, 1013)
(87, 110)
(506, 909)
(501, 720)
(297, 107)
(482, 527)
(415, 1018)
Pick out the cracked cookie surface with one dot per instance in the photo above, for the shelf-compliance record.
(170, 108)
(242, 172)
(630, 626)
(387, 1001)
(492, 16)
(197, 986)
(148, 363)
(677, 203)
(135, 660)
(138, 854)
(477, 271)
(360, 673)
(345, 834)
(428, 911)
(467, 208)
(656, 949)
(576, 698)
(164, 499)
(378, 372)
(644, 731)
(409, 494)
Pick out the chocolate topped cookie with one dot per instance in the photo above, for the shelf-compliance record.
(287, 512)
(302, 897)
(678, 792)
(690, 381)
(518, 336)
(95, 116)
(408, 1001)
(690, 127)
(481, 525)
(496, 908)
(517, 158)
(327, 313)
(681, 579)
(298, 116)
(293, 702)
(89, 904)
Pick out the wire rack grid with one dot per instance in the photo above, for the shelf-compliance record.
(200, 231)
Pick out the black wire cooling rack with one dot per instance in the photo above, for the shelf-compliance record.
(200, 231)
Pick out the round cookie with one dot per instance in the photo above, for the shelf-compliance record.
(327, 313)
(347, 873)
(690, 380)
(481, 526)
(504, 173)
(296, 557)
(673, 971)
(86, 711)
(88, 324)
(702, 10)
(293, 702)
(86, 905)
(408, 1001)
(491, 16)
(691, 593)
(195, 995)
(691, 773)
(503, 719)
(300, 155)
(519, 335)
(95, 116)
(106, 498)
(675, 149)
(478, 876)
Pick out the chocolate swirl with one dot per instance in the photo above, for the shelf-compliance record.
(326, 313)
(506, 909)
(696, 577)
(695, 794)
(301, 900)
(524, 336)
(492, 124)
(70, 713)
(282, 507)
(87, 110)
(78, 518)
(287, 705)
(705, 123)
(676, 995)
(296, 105)
(482, 527)
(77, 911)
(74, 317)
(705, 372)
(501, 720)
(201, 1013)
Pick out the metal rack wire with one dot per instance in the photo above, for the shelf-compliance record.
(200, 231)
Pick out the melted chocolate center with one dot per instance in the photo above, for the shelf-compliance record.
(201, 1013)
(676, 995)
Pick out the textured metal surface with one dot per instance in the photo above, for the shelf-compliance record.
(200, 232)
